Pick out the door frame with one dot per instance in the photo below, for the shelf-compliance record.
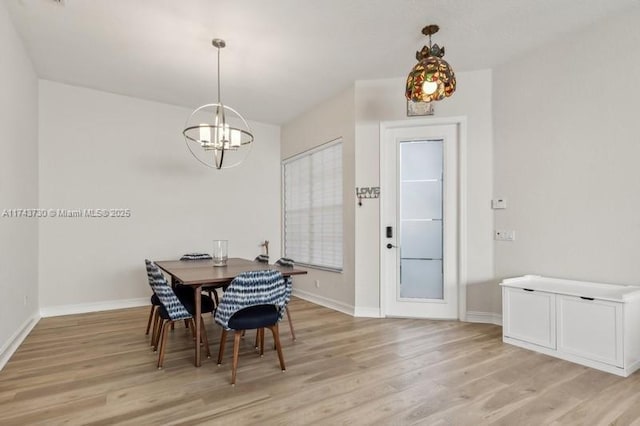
(461, 123)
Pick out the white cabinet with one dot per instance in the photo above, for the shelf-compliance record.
(594, 324)
(531, 316)
(590, 329)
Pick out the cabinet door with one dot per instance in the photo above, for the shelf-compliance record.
(591, 329)
(529, 316)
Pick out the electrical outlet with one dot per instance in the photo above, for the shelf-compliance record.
(502, 235)
(317, 283)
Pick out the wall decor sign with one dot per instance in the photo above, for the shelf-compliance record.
(418, 109)
(367, 192)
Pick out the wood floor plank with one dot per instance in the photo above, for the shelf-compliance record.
(98, 369)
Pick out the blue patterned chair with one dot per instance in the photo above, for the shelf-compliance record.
(211, 289)
(262, 258)
(288, 263)
(196, 256)
(253, 300)
(183, 293)
(173, 308)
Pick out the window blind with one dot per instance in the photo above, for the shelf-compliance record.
(313, 207)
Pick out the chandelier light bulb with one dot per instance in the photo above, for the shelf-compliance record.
(205, 133)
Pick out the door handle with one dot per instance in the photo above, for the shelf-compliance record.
(391, 246)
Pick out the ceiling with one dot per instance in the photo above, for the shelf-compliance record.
(282, 56)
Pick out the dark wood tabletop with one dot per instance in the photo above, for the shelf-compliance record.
(199, 272)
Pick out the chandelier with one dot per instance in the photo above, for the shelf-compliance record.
(432, 78)
(216, 134)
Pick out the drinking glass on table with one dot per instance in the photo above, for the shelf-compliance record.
(220, 252)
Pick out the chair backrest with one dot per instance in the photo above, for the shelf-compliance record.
(285, 261)
(196, 256)
(252, 289)
(163, 290)
(262, 258)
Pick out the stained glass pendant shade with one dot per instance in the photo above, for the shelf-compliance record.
(432, 78)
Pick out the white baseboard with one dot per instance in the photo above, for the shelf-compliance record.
(324, 301)
(367, 312)
(83, 308)
(16, 340)
(484, 317)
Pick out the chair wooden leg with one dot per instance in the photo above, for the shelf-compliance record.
(261, 333)
(153, 311)
(191, 325)
(276, 338)
(157, 328)
(236, 352)
(205, 340)
(163, 342)
(223, 340)
(256, 344)
(293, 333)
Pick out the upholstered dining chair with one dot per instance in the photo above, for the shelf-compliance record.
(211, 290)
(196, 256)
(288, 263)
(181, 292)
(253, 300)
(171, 309)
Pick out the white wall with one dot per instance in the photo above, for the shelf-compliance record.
(18, 188)
(330, 120)
(383, 100)
(567, 146)
(99, 150)
(358, 112)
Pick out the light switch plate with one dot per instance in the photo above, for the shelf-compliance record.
(499, 203)
(503, 235)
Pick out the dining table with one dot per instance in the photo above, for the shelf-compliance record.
(199, 273)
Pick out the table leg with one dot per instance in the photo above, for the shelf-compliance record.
(198, 323)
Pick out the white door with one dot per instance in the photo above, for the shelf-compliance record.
(420, 220)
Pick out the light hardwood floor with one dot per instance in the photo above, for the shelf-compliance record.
(97, 369)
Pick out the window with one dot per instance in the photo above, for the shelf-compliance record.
(313, 207)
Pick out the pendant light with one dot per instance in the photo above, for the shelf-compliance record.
(216, 134)
(432, 78)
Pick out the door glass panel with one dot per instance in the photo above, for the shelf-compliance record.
(421, 161)
(421, 200)
(421, 279)
(421, 187)
(421, 239)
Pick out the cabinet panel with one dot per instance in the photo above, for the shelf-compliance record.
(591, 329)
(530, 316)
